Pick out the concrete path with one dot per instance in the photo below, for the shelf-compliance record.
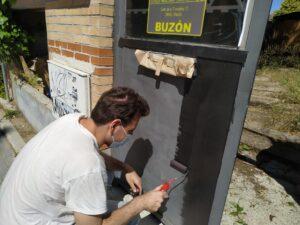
(255, 198)
(265, 184)
(6, 155)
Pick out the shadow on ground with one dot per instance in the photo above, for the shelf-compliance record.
(3, 132)
(283, 167)
(282, 162)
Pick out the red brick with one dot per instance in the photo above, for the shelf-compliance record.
(56, 50)
(103, 71)
(57, 43)
(82, 57)
(74, 47)
(67, 53)
(60, 44)
(97, 51)
(63, 44)
(51, 42)
(103, 61)
(100, 89)
(101, 80)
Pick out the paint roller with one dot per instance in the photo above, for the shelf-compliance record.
(179, 167)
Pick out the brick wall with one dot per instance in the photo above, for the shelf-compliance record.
(82, 38)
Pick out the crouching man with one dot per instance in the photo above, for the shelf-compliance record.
(59, 177)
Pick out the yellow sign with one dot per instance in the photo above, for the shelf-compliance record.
(176, 17)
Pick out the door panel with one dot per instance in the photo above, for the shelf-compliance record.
(189, 120)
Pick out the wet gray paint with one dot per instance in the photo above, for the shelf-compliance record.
(189, 121)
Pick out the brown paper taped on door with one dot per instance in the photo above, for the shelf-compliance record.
(166, 63)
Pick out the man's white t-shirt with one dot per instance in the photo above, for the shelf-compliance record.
(57, 172)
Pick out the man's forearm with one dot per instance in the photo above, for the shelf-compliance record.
(124, 214)
(120, 216)
(150, 201)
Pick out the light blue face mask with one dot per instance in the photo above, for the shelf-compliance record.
(117, 144)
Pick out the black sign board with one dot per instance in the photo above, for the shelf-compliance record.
(176, 17)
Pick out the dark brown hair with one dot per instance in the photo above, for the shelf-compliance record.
(119, 103)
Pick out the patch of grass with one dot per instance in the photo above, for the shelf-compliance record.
(292, 204)
(290, 79)
(244, 148)
(296, 123)
(9, 114)
(33, 80)
(292, 82)
(284, 116)
(2, 88)
(280, 56)
(238, 212)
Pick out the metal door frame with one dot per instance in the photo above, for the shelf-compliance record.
(254, 25)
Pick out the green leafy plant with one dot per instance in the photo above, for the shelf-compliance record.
(296, 124)
(288, 78)
(288, 6)
(279, 55)
(292, 204)
(9, 113)
(31, 79)
(244, 147)
(2, 88)
(238, 212)
(13, 40)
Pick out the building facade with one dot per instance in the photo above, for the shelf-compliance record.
(82, 38)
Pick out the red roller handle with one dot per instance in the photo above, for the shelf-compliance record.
(165, 187)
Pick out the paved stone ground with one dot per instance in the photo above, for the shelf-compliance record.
(262, 199)
(267, 191)
(6, 156)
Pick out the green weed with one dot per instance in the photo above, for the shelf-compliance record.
(238, 212)
(244, 148)
(9, 113)
(291, 204)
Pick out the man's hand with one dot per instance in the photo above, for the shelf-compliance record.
(133, 179)
(152, 200)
